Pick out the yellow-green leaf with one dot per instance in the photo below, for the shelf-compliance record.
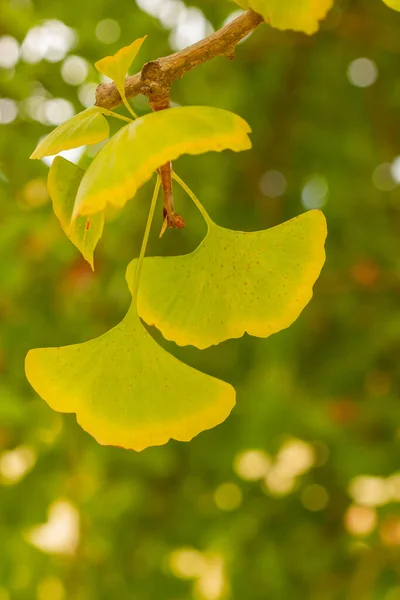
(128, 391)
(129, 159)
(299, 15)
(63, 182)
(234, 282)
(395, 4)
(116, 67)
(87, 127)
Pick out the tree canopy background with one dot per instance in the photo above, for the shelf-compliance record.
(297, 494)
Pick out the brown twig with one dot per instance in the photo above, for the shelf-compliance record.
(157, 76)
(171, 219)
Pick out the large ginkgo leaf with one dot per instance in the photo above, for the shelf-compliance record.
(116, 67)
(234, 282)
(87, 127)
(129, 159)
(395, 4)
(128, 391)
(299, 15)
(63, 183)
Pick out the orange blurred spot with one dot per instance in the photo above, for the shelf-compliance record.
(344, 411)
(390, 531)
(366, 273)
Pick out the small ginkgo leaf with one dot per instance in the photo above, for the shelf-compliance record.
(87, 127)
(63, 183)
(299, 15)
(116, 67)
(128, 391)
(129, 159)
(234, 282)
(395, 4)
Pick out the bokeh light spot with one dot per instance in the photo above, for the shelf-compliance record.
(360, 520)
(273, 184)
(9, 52)
(187, 563)
(382, 178)
(50, 588)
(192, 26)
(87, 94)
(74, 70)
(14, 464)
(314, 497)
(60, 535)
(50, 41)
(8, 110)
(58, 110)
(228, 496)
(362, 72)
(395, 169)
(108, 31)
(315, 192)
(369, 491)
(252, 465)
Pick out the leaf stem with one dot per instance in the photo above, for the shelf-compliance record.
(128, 106)
(196, 201)
(111, 113)
(145, 241)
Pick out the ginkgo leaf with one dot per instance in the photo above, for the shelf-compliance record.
(128, 391)
(116, 67)
(299, 15)
(87, 127)
(63, 182)
(395, 4)
(129, 159)
(234, 282)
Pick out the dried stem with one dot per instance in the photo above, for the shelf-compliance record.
(171, 218)
(157, 76)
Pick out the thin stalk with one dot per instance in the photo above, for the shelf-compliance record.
(139, 265)
(196, 201)
(111, 113)
(128, 106)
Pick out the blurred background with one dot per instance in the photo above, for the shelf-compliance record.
(297, 495)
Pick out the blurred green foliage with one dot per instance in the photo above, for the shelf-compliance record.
(322, 520)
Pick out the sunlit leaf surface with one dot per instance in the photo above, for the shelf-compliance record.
(128, 391)
(116, 67)
(299, 15)
(395, 4)
(129, 159)
(63, 182)
(87, 127)
(234, 282)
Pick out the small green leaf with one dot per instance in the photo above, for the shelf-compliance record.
(87, 127)
(129, 159)
(234, 282)
(128, 391)
(116, 67)
(299, 15)
(395, 4)
(63, 183)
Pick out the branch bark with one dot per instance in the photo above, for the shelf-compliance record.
(157, 76)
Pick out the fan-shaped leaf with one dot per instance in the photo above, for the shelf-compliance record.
(63, 182)
(127, 391)
(116, 67)
(87, 127)
(299, 15)
(234, 282)
(129, 159)
(395, 4)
